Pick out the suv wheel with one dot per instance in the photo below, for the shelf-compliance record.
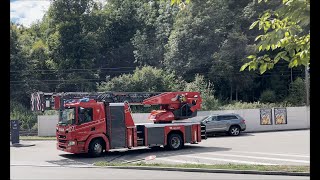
(234, 131)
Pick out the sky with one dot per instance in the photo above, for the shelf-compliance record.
(26, 12)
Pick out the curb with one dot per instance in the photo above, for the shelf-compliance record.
(21, 145)
(213, 170)
(38, 139)
(276, 130)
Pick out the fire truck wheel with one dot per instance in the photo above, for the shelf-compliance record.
(174, 142)
(95, 148)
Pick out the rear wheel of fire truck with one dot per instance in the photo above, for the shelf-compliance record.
(174, 142)
(95, 148)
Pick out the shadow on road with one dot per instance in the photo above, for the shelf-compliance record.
(225, 135)
(127, 155)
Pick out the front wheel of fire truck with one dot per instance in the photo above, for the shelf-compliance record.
(95, 148)
(174, 142)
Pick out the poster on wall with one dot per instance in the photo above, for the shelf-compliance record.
(280, 115)
(265, 117)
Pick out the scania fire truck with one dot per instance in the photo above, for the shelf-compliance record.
(96, 122)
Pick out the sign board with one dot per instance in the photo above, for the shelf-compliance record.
(265, 116)
(280, 115)
(15, 128)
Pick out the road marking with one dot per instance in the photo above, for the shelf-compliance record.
(256, 157)
(275, 154)
(180, 161)
(228, 160)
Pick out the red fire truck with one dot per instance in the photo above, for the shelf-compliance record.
(96, 122)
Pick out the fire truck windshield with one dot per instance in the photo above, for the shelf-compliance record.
(67, 116)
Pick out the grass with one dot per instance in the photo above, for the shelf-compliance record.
(37, 138)
(283, 168)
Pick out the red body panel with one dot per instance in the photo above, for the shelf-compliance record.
(169, 128)
(165, 116)
(82, 134)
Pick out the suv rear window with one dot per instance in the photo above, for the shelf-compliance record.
(227, 117)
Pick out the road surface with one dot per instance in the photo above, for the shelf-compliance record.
(20, 172)
(269, 148)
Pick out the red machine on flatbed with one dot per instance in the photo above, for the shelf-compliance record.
(96, 122)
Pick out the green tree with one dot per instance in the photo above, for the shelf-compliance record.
(226, 64)
(286, 31)
(72, 43)
(18, 66)
(297, 92)
(209, 102)
(144, 79)
(197, 34)
(268, 96)
(156, 18)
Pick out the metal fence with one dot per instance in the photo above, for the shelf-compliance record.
(27, 133)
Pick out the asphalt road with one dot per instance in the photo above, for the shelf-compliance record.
(20, 172)
(269, 148)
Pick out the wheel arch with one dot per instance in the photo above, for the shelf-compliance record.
(102, 137)
(180, 133)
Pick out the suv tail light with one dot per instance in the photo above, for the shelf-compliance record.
(243, 121)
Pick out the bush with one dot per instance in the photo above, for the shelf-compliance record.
(268, 96)
(19, 112)
(253, 105)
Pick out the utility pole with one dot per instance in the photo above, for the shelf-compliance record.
(307, 83)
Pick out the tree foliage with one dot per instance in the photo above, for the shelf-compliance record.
(297, 92)
(206, 89)
(155, 45)
(285, 30)
(268, 96)
(145, 79)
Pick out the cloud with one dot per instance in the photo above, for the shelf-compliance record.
(26, 12)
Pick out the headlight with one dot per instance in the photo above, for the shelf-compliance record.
(71, 143)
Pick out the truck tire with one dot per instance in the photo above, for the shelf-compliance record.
(95, 148)
(175, 142)
(234, 131)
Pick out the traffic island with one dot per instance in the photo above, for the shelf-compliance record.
(216, 168)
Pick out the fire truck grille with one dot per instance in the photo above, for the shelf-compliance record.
(62, 141)
(63, 147)
(62, 136)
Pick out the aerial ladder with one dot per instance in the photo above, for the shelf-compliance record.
(173, 105)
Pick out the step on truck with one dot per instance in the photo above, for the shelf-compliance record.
(97, 123)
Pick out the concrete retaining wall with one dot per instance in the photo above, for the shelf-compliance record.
(297, 118)
(47, 125)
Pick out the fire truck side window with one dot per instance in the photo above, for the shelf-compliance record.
(85, 115)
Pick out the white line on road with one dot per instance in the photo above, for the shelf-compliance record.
(259, 157)
(179, 161)
(228, 160)
(274, 154)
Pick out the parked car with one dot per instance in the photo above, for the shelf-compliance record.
(232, 124)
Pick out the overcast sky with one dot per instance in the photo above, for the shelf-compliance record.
(27, 11)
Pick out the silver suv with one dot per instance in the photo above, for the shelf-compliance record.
(233, 124)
